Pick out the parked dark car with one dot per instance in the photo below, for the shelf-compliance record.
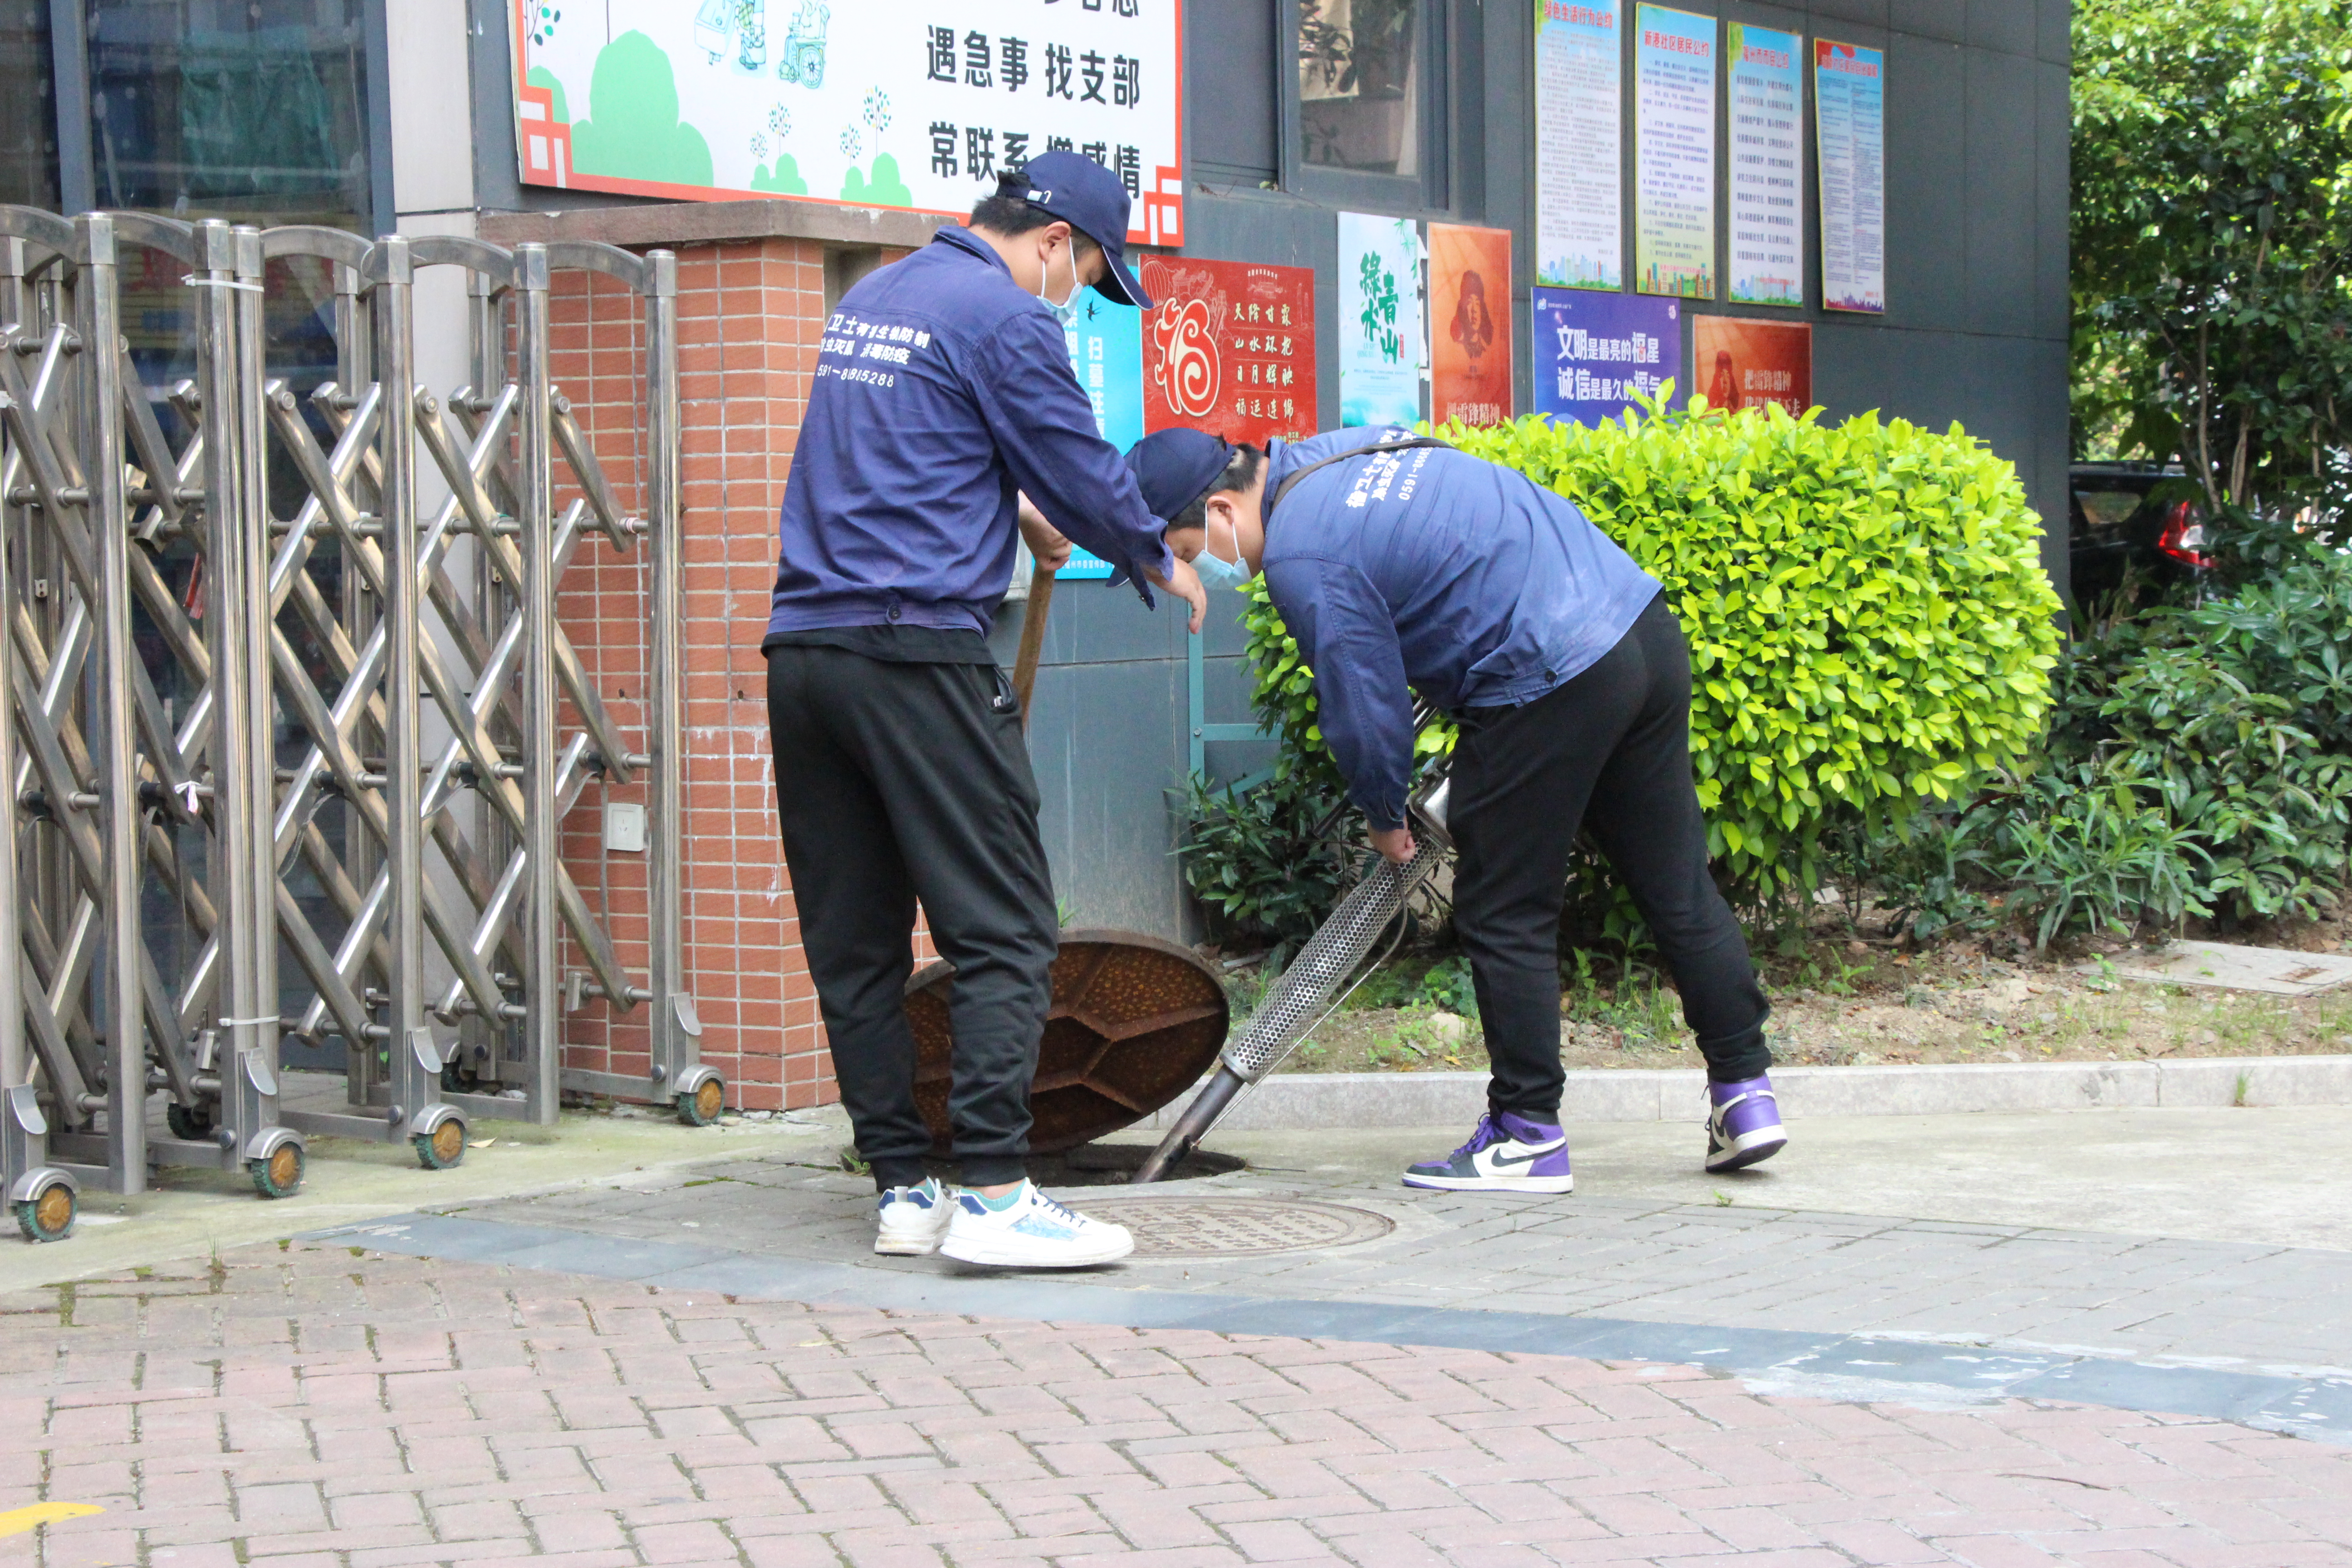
(2139, 523)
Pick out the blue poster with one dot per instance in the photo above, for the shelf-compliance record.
(1107, 351)
(1593, 352)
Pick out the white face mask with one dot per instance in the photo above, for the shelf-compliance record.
(1044, 277)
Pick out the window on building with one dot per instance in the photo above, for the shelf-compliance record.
(256, 112)
(28, 106)
(1360, 87)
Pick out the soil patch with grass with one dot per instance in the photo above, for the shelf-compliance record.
(1845, 1001)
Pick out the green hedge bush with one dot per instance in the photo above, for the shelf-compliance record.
(1870, 627)
(2227, 726)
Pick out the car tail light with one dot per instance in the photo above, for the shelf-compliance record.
(2183, 538)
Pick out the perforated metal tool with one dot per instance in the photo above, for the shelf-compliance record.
(1316, 981)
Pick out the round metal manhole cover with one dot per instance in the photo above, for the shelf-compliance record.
(1236, 1227)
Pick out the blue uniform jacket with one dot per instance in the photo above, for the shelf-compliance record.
(943, 387)
(1431, 567)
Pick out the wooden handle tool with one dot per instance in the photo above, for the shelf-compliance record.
(1033, 638)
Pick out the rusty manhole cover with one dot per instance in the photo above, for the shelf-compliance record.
(1135, 1023)
(1236, 1227)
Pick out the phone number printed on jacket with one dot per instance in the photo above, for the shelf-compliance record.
(1373, 484)
(854, 338)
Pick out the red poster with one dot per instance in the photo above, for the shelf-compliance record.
(1739, 363)
(1469, 324)
(1229, 347)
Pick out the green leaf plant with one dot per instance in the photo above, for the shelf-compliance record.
(1871, 630)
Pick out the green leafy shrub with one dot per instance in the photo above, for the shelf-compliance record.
(1253, 859)
(2068, 849)
(2198, 762)
(2228, 764)
(1869, 626)
(2234, 720)
(1447, 985)
(1931, 874)
(2083, 849)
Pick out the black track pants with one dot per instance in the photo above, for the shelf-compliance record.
(1611, 750)
(903, 782)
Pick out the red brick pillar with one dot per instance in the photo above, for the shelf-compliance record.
(749, 313)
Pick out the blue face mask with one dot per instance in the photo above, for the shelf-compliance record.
(1216, 571)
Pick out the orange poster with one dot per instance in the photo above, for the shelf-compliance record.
(1470, 324)
(1740, 364)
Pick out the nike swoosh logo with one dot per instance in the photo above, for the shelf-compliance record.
(1502, 1161)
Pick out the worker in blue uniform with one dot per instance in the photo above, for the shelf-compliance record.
(1401, 564)
(944, 394)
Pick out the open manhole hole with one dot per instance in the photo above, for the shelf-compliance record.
(1206, 1227)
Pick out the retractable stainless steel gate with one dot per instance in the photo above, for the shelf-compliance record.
(283, 668)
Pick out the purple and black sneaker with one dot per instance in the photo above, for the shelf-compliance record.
(1743, 1124)
(1507, 1154)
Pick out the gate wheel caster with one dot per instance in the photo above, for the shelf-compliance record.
(701, 1107)
(48, 1214)
(279, 1175)
(190, 1123)
(442, 1148)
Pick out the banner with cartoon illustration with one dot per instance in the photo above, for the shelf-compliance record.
(1593, 352)
(1230, 349)
(1674, 152)
(1470, 324)
(1850, 121)
(1768, 165)
(712, 100)
(1383, 348)
(1579, 231)
(1741, 364)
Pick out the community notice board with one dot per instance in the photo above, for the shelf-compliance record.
(918, 106)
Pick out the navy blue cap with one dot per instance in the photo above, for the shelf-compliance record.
(1173, 469)
(1089, 198)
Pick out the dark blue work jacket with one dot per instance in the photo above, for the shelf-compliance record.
(943, 387)
(1431, 568)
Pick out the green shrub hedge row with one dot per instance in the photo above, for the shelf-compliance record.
(1870, 627)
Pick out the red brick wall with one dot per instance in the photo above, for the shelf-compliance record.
(748, 320)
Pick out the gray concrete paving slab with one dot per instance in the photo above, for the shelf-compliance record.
(2225, 1174)
(193, 1214)
(2077, 1232)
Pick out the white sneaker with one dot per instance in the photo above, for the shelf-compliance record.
(913, 1219)
(1033, 1231)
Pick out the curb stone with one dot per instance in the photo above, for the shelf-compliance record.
(1300, 1101)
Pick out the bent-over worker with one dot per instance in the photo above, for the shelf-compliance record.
(1401, 564)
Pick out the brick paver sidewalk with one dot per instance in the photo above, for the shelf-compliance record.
(316, 1405)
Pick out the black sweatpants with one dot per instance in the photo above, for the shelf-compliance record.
(1609, 750)
(903, 782)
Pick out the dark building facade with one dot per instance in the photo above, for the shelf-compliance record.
(406, 119)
